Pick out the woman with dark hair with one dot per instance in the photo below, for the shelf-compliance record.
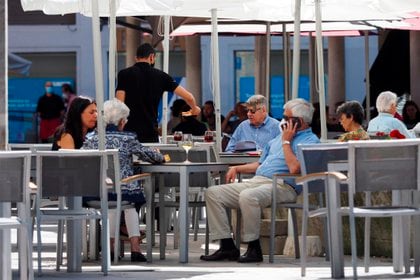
(351, 115)
(80, 119)
(411, 114)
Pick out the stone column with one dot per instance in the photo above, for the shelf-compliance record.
(260, 55)
(415, 66)
(133, 40)
(193, 66)
(3, 75)
(312, 70)
(336, 74)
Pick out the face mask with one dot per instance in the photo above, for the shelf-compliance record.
(48, 89)
(65, 96)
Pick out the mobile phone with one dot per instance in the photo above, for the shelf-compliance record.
(297, 121)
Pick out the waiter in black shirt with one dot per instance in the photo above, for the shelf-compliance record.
(141, 87)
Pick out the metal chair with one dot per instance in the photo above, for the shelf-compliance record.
(71, 174)
(385, 166)
(14, 180)
(113, 183)
(377, 165)
(313, 158)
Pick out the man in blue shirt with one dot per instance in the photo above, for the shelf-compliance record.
(279, 156)
(259, 127)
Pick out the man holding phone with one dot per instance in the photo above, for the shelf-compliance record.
(260, 127)
(279, 156)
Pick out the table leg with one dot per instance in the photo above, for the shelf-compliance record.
(335, 229)
(5, 245)
(163, 227)
(183, 214)
(74, 239)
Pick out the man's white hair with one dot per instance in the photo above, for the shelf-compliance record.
(385, 100)
(300, 108)
(115, 111)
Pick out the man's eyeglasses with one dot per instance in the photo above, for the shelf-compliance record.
(253, 111)
(287, 118)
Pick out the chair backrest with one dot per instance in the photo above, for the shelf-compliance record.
(378, 165)
(113, 170)
(14, 176)
(70, 173)
(212, 154)
(315, 158)
(177, 154)
(33, 148)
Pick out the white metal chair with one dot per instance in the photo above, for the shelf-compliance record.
(14, 180)
(72, 174)
(113, 183)
(392, 165)
(313, 158)
(377, 165)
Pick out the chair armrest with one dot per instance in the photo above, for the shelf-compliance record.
(287, 175)
(320, 176)
(136, 177)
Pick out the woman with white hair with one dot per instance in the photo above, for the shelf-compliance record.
(115, 117)
(386, 104)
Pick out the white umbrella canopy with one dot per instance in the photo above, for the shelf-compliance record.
(265, 10)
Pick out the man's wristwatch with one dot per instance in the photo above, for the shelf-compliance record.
(285, 142)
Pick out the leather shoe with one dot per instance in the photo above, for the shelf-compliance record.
(220, 255)
(138, 257)
(252, 254)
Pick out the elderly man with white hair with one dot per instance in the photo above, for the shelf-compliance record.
(386, 104)
(115, 117)
(279, 156)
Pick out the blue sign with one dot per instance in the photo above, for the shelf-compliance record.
(23, 98)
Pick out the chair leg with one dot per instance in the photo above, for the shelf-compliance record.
(303, 247)
(272, 232)
(295, 232)
(59, 248)
(39, 244)
(207, 239)
(238, 228)
(367, 243)
(353, 245)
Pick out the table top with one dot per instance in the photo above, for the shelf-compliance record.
(175, 167)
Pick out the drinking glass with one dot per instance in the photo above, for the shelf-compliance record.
(178, 136)
(187, 143)
(208, 136)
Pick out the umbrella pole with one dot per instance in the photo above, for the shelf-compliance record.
(215, 77)
(320, 68)
(112, 47)
(367, 82)
(99, 85)
(165, 69)
(296, 51)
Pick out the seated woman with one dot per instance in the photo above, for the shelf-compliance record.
(351, 115)
(80, 119)
(115, 118)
